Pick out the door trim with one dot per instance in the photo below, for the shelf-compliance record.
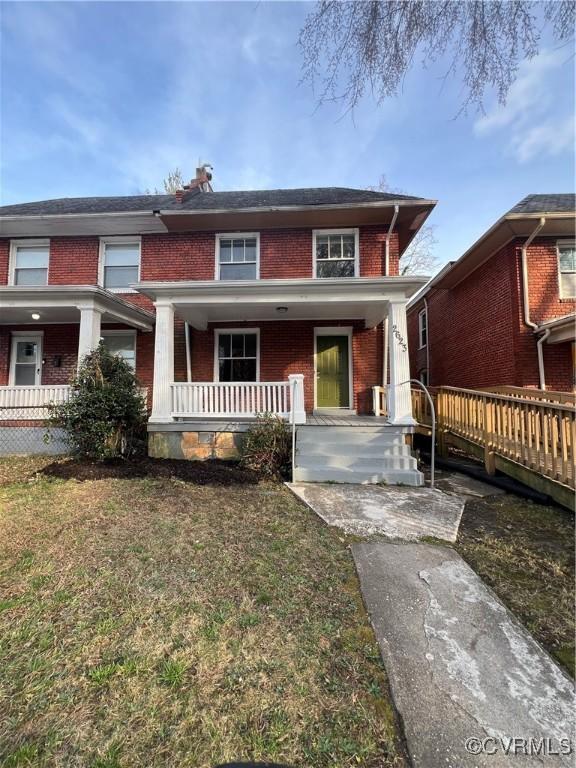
(17, 336)
(336, 330)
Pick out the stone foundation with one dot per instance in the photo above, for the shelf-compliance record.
(175, 444)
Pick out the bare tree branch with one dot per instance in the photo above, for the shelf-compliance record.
(348, 47)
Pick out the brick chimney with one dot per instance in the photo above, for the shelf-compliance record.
(201, 182)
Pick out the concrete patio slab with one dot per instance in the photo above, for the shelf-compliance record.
(461, 667)
(395, 511)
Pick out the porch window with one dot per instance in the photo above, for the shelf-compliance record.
(31, 263)
(237, 256)
(121, 343)
(336, 253)
(567, 269)
(423, 328)
(237, 356)
(120, 263)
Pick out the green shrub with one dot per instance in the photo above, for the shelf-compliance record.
(105, 416)
(267, 447)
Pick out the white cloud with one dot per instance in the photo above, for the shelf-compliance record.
(526, 116)
(548, 138)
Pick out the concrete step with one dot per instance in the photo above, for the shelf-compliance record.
(356, 450)
(339, 475)
(368, 464)
(350, 437)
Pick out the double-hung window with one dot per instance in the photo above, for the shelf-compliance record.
(567, 268)
(30, 262)
(237, 355)
(422, 328)
(121, 343)
(120, 263)
(336, 253)
(237, 256)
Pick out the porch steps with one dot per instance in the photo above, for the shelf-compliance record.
(348, 454)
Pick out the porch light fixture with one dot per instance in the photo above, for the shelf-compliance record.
(35, 316)
(282, 310)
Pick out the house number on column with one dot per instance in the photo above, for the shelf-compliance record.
(399, 337)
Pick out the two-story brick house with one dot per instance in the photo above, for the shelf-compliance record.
(503, 313)
(227, 303)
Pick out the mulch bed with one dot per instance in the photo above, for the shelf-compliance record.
(211, 472)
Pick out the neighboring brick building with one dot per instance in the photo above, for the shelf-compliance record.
(224, 291)
(471, 325)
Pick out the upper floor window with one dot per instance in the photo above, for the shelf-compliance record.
(336, 253)
(30, 262)
(567, 268)
(121, 343)
(119, 262)
(237, 256)
(422, 328)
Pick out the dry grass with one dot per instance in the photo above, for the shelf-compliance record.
(157, 622)
(525, 552)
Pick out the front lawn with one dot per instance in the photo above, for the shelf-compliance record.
(525, 552)
(180, 619)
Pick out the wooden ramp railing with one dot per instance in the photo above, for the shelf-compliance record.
(537, 433)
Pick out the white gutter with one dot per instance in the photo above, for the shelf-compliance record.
(526, 301)
(525, 293)
(418, 203)
(539, 347)
(385, 323)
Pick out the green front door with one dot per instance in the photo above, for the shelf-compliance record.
(332, 372)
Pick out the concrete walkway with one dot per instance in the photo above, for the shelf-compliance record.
(460, 665)
(395, 511)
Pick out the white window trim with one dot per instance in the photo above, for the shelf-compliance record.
(336, 330)
(38, 337)
(231, 236)
(421, 314)
(117, 240)
(560, 244)
(14, 245)
(348, 231)
(217, 332)
(128, 332)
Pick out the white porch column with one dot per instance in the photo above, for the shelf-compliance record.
(163, 362)
(90, 324)
(297, 391)
(399, 397)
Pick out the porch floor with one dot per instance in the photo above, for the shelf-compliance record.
(344, 420)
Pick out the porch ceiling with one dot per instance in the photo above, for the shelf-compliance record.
(200, 303)
(57, 304)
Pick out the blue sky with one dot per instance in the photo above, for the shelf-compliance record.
(105, 98)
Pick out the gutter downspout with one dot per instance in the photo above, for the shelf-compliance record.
(385, 323)
(526, 302)
(188, 363)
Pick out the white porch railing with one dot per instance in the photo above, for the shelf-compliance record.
(380, 401)
(30, 402)
(240, 399)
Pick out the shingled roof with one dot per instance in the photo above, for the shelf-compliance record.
(205, 201)
(562, 203)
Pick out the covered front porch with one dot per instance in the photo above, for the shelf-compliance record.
(280, 346)
(46, 331)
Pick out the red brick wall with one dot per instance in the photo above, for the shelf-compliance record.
(288, 347)
(73, 261)
(476, 330)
